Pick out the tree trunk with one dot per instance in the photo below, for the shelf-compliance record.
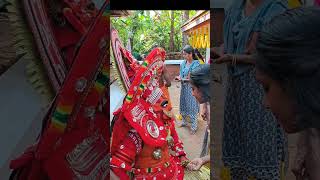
(131, 42)
(172, 33)
(131, 34)
(185, 17)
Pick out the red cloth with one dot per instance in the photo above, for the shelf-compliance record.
(28, 167)
(175, 172)
(49, 159)
(124, 155)
(129, 148)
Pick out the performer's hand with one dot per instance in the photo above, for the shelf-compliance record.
(183, 158)
(184, 161)
(195, 164)
(227, 58)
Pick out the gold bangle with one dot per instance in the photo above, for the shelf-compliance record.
(234, 60)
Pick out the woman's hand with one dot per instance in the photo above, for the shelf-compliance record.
(299, 171)
(195, 164)
(214, 54)
(184, 161)
(226, 58)
(177, 78)
(299, 168)
(204, 111)
(251, 47)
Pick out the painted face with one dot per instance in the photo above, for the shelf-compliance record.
(279, 102)
(160, 104)
(154, 95)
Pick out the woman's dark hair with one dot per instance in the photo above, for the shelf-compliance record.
(200, 77)
(288, 50)
(189, 49)
(194, 51)
(198, 54)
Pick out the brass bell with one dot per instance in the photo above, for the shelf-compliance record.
(170, 141)
(157, 154)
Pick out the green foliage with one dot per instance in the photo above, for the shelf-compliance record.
(192, 13)
(149, 28)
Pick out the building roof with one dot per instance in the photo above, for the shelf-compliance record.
(199, 19)
(120, 13)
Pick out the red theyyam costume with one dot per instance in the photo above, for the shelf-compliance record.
(73, 45)
(145, 144)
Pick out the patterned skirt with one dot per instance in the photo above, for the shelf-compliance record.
(254, 145)
(189, 107)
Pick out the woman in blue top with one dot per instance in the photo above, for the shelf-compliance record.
(254, 145)
(290, 78)
(189, 106)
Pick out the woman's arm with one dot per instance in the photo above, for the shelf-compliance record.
(193, 65)
(245, 58)
(251, 46)
(236, 59)
(181, 68)
(166, 76)
(178, 78)
(196, 163)
(206, 159)
(214, 54)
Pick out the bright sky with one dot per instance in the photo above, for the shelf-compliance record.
(152, 13)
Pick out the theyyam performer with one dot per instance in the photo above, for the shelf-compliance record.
(145, 144)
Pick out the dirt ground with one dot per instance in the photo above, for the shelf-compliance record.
(192, 143)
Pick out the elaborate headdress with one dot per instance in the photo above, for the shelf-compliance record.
(144, 105)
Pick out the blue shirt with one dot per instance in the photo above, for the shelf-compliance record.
(238, 28)
(185, 68)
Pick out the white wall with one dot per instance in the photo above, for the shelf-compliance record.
(20, 110)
